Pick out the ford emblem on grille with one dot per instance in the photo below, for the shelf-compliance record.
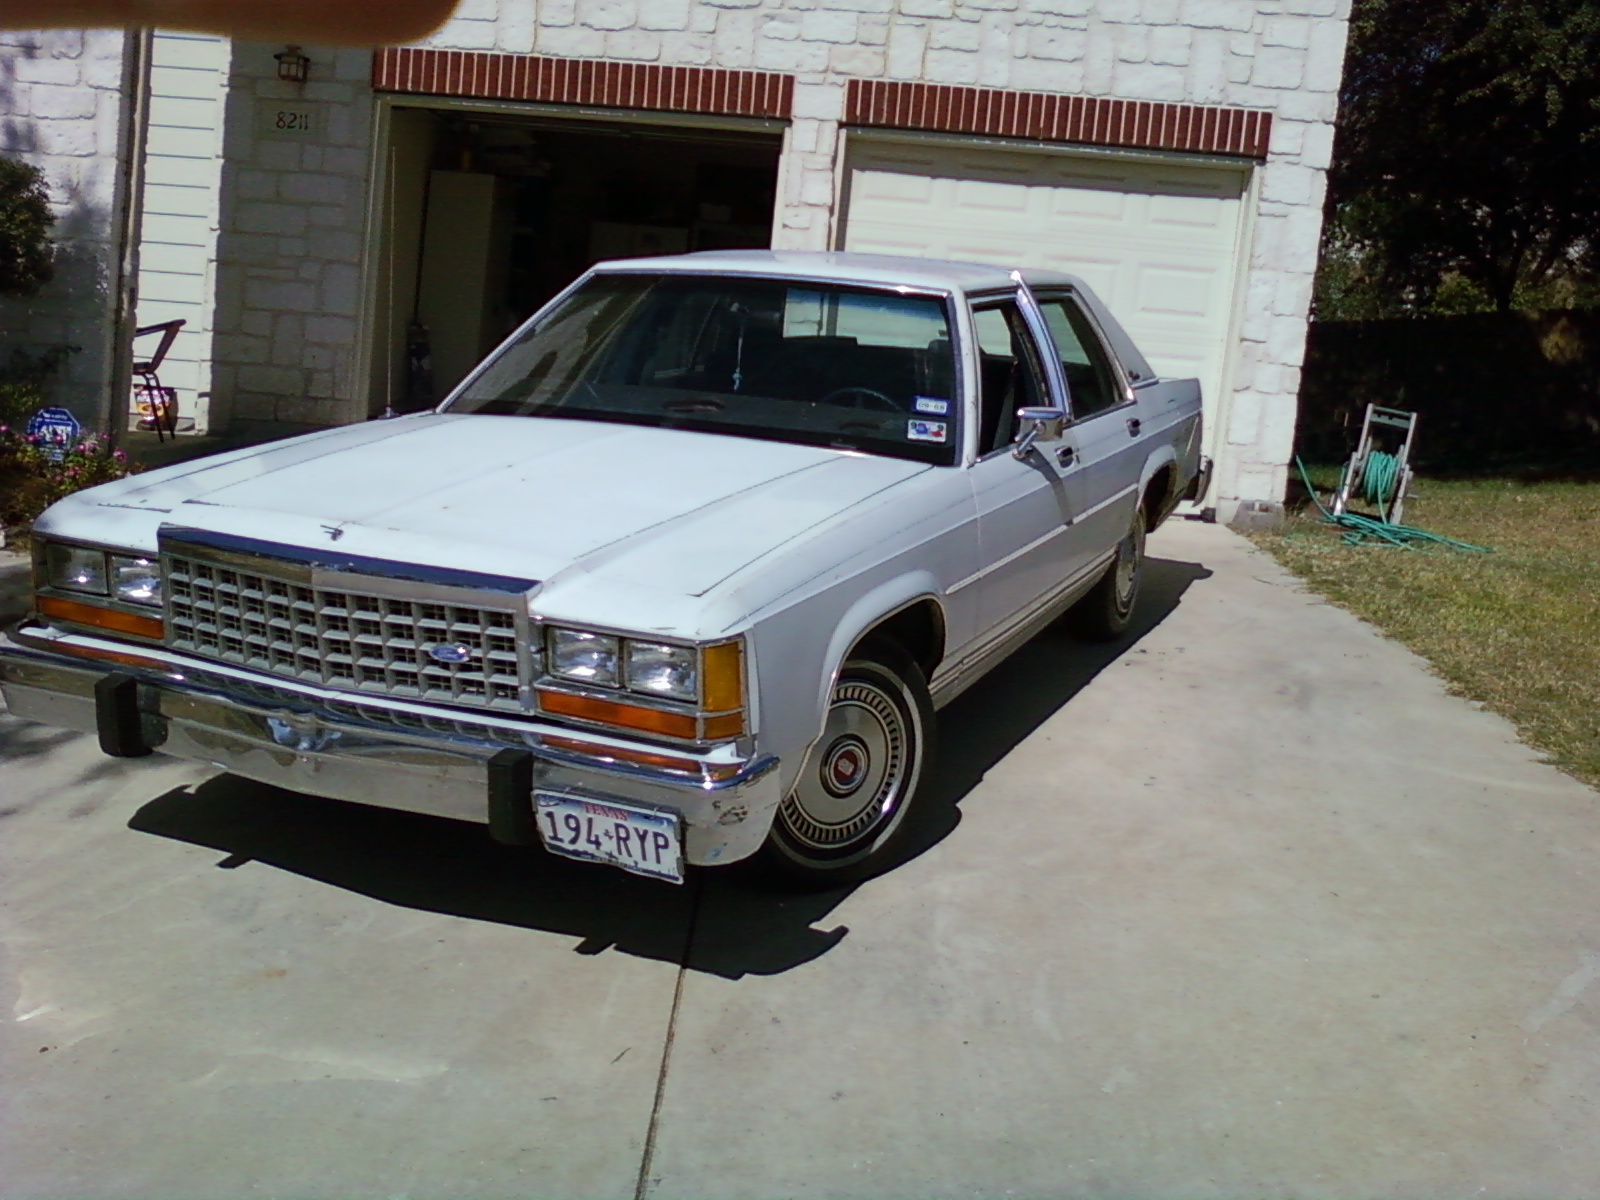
(450, 654)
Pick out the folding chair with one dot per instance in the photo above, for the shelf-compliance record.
(157, 405)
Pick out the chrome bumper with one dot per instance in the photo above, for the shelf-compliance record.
(414, 758)
(1201, 483)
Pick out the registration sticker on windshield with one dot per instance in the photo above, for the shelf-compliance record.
(931, 404)
(927, 431)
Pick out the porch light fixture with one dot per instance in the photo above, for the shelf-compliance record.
(293, 67)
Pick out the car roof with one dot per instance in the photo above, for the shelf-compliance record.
(880, 270)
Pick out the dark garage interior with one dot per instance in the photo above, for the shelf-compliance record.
(487, 216)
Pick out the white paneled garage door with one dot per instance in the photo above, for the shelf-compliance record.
(1159, 243)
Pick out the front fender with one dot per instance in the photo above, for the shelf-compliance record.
(865, 614)
(799, 652)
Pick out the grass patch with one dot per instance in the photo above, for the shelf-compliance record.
(1518, 629)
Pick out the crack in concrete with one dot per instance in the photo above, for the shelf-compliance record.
(647, 1159)
(1566, 994)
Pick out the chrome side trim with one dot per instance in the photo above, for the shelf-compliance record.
(713, 270)
(1011, 558)
(1106, 503)
(1044, 344)
(950, 681)
(1039, 541)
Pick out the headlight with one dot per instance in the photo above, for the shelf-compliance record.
(699, 690)
(583, 657)
(75, 569)
(136, 580)
(658, 670)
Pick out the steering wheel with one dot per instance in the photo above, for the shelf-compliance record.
(865, 397)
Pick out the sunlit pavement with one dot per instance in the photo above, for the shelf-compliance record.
(1246, 905)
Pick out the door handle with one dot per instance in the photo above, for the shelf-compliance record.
(1065, 455)
(1134, 426)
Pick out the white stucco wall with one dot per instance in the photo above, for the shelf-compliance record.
(295, 222)
(61, 110)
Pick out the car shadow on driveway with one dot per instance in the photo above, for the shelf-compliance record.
(982, 725)
(720, 922)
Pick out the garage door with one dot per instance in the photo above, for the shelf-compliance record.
(1158, 243)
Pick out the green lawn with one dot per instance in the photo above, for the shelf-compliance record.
(1518, 629)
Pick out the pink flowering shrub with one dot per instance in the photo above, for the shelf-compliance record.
(32, 479)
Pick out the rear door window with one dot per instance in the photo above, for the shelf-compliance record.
(1091, 379)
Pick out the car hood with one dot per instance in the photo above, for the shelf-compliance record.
(657, 509)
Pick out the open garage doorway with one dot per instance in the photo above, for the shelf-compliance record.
(487, 215)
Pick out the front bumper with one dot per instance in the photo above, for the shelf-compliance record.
(370, 750)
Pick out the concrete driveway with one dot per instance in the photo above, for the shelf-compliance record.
(1247, 906)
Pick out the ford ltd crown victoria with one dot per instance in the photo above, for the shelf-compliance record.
(679, 575)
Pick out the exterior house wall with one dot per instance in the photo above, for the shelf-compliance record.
(297, 211)
(62, 110)
(290, 243)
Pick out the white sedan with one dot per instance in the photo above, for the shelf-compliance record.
(679, 575)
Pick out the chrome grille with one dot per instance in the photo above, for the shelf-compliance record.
(347, 638)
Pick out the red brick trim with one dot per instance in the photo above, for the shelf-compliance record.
(578, 81)
(1044, 116)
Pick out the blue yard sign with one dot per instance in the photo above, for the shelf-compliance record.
(58, 429)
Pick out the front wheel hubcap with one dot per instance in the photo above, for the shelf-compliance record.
(855, 778)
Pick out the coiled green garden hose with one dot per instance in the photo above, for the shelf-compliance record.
(1382, 480)
(1359, 529)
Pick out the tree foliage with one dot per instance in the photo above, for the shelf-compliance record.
(25, 221)
(1466, 170)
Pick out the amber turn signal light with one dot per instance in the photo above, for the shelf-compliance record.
(724, 677)
(111, 619)
(625, 716)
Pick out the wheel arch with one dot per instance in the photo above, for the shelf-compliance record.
(905, 610)
(1158, 486)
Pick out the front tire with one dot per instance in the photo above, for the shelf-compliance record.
(1106, 612)
(846, 816)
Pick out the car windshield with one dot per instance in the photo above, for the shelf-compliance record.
(849, 368)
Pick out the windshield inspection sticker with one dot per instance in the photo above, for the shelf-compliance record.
(929, 404)
(926, 431)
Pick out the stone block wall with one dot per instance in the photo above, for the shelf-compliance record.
(61, 110)
(290, 246)
(307, 204)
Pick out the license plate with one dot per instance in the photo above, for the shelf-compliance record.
(642, 840)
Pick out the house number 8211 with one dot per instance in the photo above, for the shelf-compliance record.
(304, 121)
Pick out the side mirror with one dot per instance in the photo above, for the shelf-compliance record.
(1038, 425)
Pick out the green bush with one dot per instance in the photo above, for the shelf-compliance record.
(23, 379)
(25, 220)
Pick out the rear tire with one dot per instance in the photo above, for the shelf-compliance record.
(846, 817)
(1106, 612)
